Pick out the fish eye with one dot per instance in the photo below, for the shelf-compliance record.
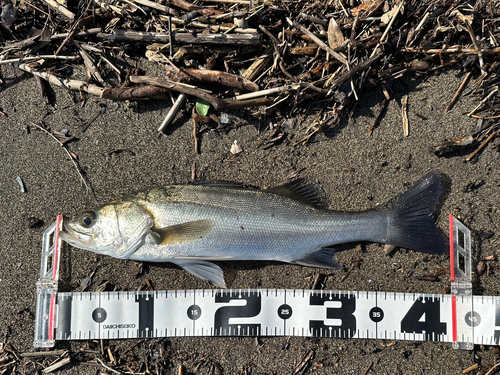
(88, 219)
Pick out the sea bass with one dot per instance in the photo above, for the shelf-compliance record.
(190, 225)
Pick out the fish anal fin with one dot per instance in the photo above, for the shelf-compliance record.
(204, 270)
(182, 233)
(297, 191)
(323, 258)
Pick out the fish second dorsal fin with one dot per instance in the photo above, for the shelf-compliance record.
(297, 191)
(182, 233)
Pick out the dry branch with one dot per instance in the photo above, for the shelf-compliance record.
(193, 76)
(218, 104)
(61, 9)
(70, 84)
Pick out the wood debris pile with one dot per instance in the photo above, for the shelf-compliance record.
(292, 57)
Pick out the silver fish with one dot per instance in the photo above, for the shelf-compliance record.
(193, 224)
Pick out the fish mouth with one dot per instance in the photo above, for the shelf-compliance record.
(75, 238)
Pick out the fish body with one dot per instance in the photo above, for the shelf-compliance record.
(190, 225)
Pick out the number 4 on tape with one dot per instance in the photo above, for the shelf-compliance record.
(460, 318)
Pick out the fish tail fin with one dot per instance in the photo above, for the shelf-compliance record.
(411, 224)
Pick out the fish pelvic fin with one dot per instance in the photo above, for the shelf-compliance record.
(204, 270)
(323, 258)
(182, 233)
(410, 221)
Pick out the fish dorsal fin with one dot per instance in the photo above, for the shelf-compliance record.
(294, 190)
(182, 233)
(297, 191)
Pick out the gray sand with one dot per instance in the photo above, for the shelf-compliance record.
(378, 170)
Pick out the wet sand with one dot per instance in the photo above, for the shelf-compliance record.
(351, 170)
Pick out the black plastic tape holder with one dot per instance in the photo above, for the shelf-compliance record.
(460, 317)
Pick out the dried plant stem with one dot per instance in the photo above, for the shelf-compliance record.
(67, 152)
(388, 28)
(318, 41)
(71, 84)
(36, 58)
(61, 9)
(481, 146)
(459, 91)
(466, 21)
(455, 49)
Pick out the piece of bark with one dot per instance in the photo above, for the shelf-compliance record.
(134, 93)
(36, 40)
(259, 65)
(194, 76)
(309, 50)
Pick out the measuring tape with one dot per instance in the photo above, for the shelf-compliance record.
(460, 317)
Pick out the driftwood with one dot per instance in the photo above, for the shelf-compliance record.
(120, 36)
(193, 76)
(218, 104)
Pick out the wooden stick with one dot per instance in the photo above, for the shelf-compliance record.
(209, 77)
(57, 365)
(318, 41)
(481, 146)
(184, 38)
(361, 66)
(36, 58)
(459, 91)
(134, 93)
(387, 29)
(81, 34)
(89, 63)
(70, 84)
(454, 49)
(61, 9)
(274, 91)
(181, 99)
(190, 7)
(218, 104)
(404, 114)
(162, 8)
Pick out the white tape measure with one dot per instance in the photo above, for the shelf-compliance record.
(459, 318)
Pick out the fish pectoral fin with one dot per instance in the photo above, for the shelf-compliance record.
(135, 241)
(204, 270)
(323, 258)
(182, 233)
